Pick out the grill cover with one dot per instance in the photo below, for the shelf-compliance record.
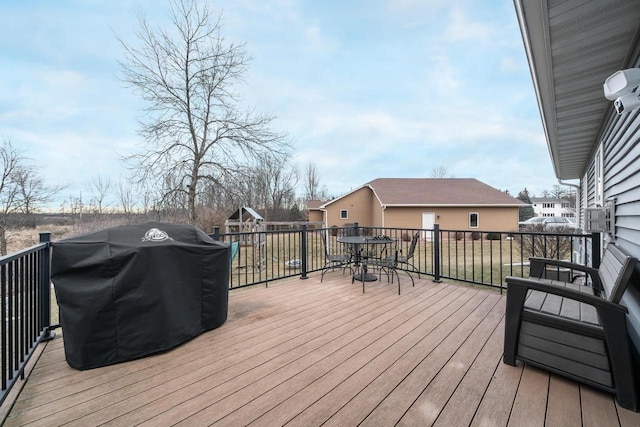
(130, 291)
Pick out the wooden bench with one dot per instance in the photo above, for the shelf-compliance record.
(575, 330)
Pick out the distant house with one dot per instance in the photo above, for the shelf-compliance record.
(314, 211)
(548, 206)
(453, 203)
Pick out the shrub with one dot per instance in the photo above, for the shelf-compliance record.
(476, 235)
(493, 236)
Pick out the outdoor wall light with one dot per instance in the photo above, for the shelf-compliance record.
(621, 87)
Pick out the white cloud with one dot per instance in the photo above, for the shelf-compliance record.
(441, 76)
(317, 42)
(462, 28)
(513, 65)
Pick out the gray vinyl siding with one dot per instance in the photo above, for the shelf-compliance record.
(591, 185)
(621, 144)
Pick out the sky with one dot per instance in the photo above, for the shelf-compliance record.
(364, 89)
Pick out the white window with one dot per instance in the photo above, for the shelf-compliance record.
(474, 220)
(547, 205)
(344, 214)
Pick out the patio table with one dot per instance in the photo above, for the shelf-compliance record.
(357, 243)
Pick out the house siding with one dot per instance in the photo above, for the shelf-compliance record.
(316, 216)
(359, 206)
(454, 218)
(377, 219)
(621, 180)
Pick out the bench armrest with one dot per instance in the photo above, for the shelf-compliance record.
(538, 264)
(562, 291)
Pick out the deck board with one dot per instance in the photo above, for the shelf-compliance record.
(421, 395)
(497, 402)
(330, 402)
(530, 405)
(465, 400)
(597, 411)
(306, 353)
(564, 402)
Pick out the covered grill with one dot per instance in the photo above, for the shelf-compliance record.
(131, 291)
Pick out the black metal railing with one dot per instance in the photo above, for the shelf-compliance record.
(25, 290)
(265, 256)
(487, 257)
(478, 257)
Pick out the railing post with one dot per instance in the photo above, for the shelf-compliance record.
(303, 250)
(595, 250)
(45, 286)
(436, 253)
(216, 233)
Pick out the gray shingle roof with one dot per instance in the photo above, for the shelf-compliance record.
(439, 191)
(314, 204)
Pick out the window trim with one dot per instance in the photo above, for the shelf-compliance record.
(598, 176)
(477, 220)
(345, 212)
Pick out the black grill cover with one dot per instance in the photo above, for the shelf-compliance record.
(130, 291)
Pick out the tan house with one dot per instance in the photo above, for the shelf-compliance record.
(315, 213)
(453, 203)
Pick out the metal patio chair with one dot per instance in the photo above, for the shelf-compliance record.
(405, 260)
(334, 260)
(389, 265)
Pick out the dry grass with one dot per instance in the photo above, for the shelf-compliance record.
(22, 238)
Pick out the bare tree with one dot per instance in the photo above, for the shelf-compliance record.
(126, 195)
(440, 172)
(312, 189)
(557, 192)
(277, 179)
(33, 190)
(21, 189)
(99, 189)
(9, 192)
(194, 131)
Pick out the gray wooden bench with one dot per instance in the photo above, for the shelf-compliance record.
(574, 330)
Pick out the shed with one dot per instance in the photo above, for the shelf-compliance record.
(244, 220)
(248, 224)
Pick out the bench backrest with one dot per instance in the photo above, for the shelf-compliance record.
(615, 271)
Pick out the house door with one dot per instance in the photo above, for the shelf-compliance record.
(428, 221)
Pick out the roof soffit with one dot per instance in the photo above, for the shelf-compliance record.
(572, 47)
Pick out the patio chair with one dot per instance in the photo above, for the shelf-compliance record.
(575, 330)
(390, 266)
(334, 260)
(405, 260)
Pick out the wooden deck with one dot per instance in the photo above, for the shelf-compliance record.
(305, 353)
